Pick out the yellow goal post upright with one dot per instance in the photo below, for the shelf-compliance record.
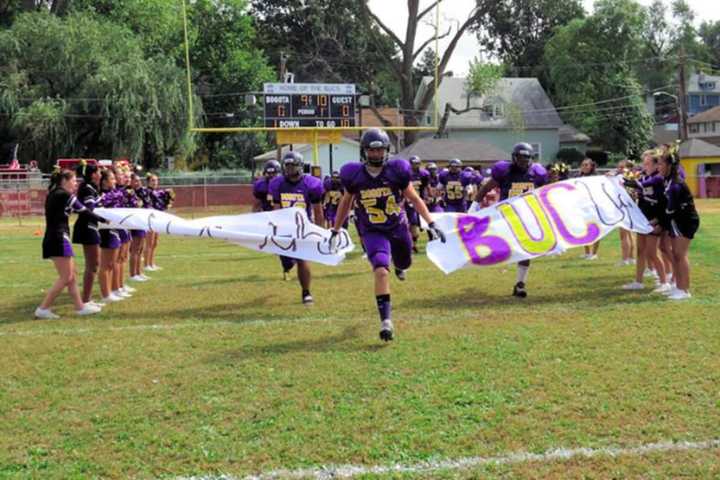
(316, 133)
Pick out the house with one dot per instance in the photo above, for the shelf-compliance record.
(703, 93)
(518, 109)
(706, 126)
(701, 161)
(473, 152)
(570, 137)
(348, 150)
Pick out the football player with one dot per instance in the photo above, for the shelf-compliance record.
(420, 179)
(455, 185)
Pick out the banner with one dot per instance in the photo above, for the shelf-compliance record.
(548, 220)
(286, 232)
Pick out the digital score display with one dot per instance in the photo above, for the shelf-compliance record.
(309, 110)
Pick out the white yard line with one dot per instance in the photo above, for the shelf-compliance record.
(349, 471)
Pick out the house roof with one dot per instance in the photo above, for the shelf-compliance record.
(696, 148)
(569, 134)
(662, 135)
(697, 78)
(712, 115)
(298, 147)
(431, 149)
(524, 94)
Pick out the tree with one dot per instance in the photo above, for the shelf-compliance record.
(592, 59)
(403, 70)
(516, 31)
(710, 34)
(80, 86)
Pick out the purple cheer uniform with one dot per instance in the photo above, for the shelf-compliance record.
(652, 198)
(59, 204)
(303, 193)
(454, 185)
(379, 211)
(420, 180)
(682, 218)
(514, 182)
(261, 191)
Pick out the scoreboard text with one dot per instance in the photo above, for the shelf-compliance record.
(309, 110)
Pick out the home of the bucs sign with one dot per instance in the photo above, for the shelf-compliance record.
(318, 105)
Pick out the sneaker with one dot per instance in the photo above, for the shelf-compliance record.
(592, 257)
(96, 304)
(519, 290)
(386, 330)
(122, 293)
(112, 298)
(364, 256)
(45, 314)
(156, 268)
(139, 278)
(663, 288)
(308, 300)
(650, 273)
(400, 274)
(631, 261)
(679, 295)
(584, 256)
(673, 290)
(88, 310)
(128, 289)
(633, 286)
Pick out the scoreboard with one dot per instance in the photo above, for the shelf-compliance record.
(292, 105)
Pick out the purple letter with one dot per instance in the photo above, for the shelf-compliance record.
(471, 230)
(593, 231)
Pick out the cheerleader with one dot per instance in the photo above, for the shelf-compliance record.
(56, 246)
(682, 221)
(651, 201)
(122, 192)
(151, 240)
(627, 245)
(85, 231)
(161, 200)
(109, 239)
(588, 168)
(140, 198)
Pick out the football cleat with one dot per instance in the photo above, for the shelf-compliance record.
(400, 274)
(519, 290)
(386, 330)
(307, 299)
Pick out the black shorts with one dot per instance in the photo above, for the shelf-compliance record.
(86, 234)
(56, 245)
(685, 227)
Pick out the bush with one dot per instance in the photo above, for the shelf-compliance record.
(599, 156)
(570, 156)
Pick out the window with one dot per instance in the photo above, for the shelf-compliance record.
(713, 126)
(703, 100)
(694, 128)
(538, 150)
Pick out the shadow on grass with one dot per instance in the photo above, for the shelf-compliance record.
(353, 338)
(596, 296)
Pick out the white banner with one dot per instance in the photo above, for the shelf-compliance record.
(286, 232)
(548, 220)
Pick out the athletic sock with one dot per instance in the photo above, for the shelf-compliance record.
(522, 273)
(384, 306)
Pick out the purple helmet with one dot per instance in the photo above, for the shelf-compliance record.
(432, 167)
(293, 164)
(374, 138)
(415, 160)
(271, 167)
(522, 154)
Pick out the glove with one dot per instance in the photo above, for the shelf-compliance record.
(334, 241)
(436, 232)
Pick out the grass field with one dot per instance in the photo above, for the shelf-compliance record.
(214, 367)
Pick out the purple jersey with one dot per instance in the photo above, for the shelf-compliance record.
(261, 191)
(333, 193)
(514, 182)
(420, 180)
(652, 198)
(379, 199)
(454, 185)
(304, 193)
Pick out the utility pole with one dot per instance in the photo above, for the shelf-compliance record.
(682, 101)
(283, 65)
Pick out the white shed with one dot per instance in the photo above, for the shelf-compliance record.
(346, 151)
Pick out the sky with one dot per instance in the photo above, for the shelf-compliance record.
(394, 14)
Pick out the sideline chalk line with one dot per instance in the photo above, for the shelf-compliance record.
(349, 471)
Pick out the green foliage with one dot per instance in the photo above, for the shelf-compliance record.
(570, 156)
(710, 34)
(90, 87)
(608, 43)
(516, 31)
(482, 78)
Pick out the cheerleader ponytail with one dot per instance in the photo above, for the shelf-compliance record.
(57, 177)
